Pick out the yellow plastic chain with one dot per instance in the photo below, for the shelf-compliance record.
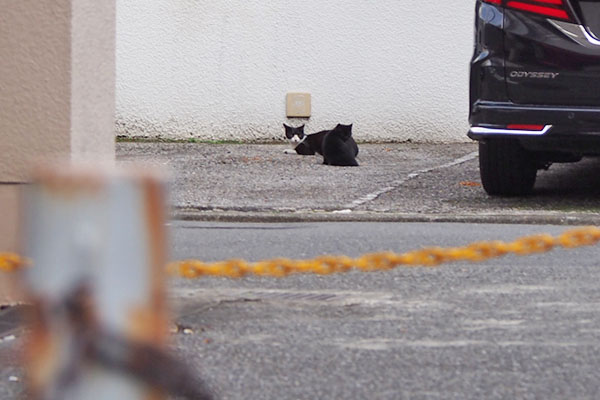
(11, 262)
(433, 256)
(478, 251)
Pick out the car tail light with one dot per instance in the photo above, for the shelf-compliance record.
(556, 9)
(522, 127)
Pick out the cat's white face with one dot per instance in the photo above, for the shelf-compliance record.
(294, 135)
(296, 139)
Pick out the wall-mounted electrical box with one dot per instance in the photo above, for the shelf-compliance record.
(297, 105)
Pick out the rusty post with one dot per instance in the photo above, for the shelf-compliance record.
(98, 245)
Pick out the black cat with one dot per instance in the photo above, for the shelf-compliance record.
(339, 148)
(306, 145)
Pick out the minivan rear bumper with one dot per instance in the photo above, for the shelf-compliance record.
(572, 129)
(505, 113)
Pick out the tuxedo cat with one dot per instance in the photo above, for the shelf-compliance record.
(339, 148)
(306, 145)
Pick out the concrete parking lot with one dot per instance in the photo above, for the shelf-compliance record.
(395, 181)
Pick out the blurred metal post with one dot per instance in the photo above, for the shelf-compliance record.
(97, 241)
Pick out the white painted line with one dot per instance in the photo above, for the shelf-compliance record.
(397, 183)
(345, 211)
(9, 338)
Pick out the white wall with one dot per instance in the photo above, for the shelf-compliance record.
(220, 69)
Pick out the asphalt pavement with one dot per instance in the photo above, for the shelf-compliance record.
(509, 328)
(506, 329)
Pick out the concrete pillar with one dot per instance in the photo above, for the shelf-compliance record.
(57, 91)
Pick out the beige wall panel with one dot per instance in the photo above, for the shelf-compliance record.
(34, 84)
(57, 92)
(93, 80)
(10, 199)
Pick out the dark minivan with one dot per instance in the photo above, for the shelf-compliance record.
(534, 88)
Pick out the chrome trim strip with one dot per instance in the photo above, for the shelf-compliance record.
(499, 131)
(589, 37)
(577, 33)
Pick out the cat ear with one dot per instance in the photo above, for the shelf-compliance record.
(301, 126)
(285, 126)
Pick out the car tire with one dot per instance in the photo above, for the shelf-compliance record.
(506, 168)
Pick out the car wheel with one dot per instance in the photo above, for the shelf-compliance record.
(506, 168)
